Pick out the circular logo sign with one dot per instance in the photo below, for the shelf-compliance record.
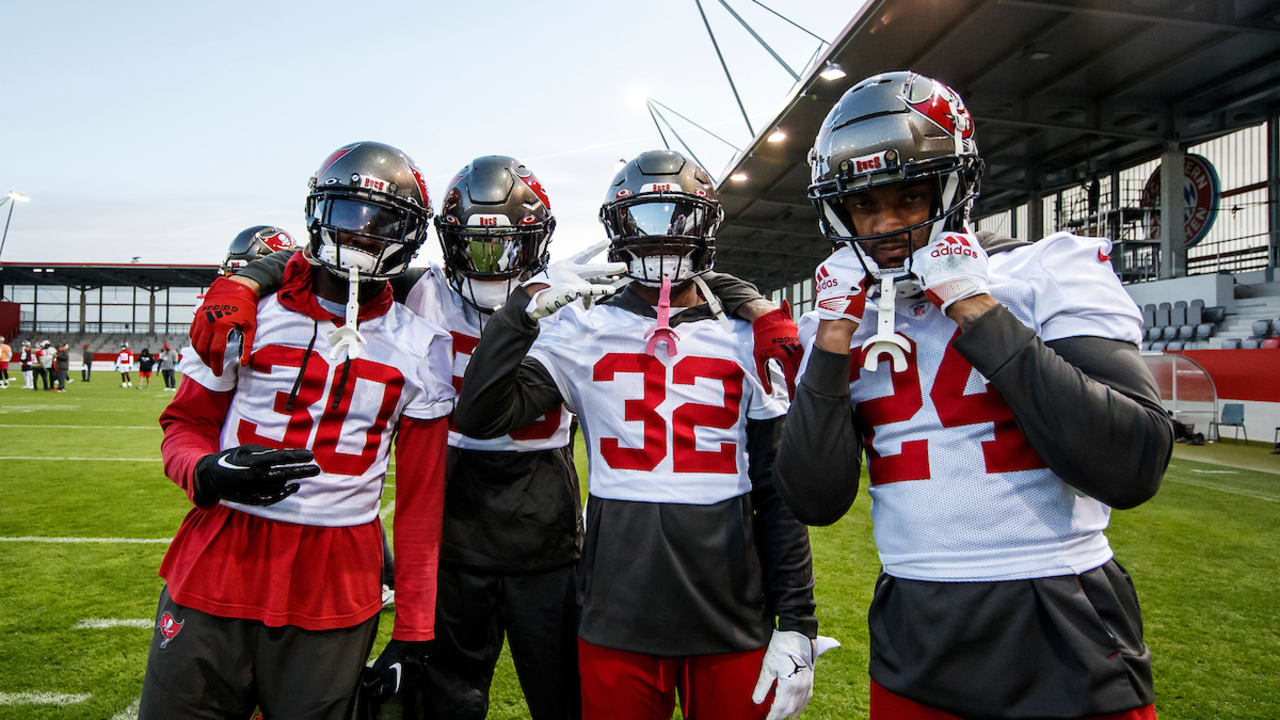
(1200, 192)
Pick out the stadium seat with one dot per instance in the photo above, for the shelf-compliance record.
(1186, 332)
(1251, 343)
(1163, 312)
(1153, 333)
(1168, 333)
(1149, 315)
(1179, 316)
(1195, 313)
(1174, 345)
(1271, 343)
(1215, 314)
(1158, 346)
(1262, 328)
(1231, 344)
(1232, 416)
(1204, 331)
(1145, 345)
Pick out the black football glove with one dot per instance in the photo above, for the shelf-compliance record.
(401, 665)
(252, 475)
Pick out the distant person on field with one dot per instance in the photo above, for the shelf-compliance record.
(61, 360)
(28, 360)
(86, 355)
(145, 362)
(168, 363)
(6, 354)
(44, 365)
(124, 363)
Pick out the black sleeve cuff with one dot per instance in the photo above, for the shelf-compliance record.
(827, 373)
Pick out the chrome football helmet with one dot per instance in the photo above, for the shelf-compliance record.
(495, 228)
(368, 208)
(661, 214)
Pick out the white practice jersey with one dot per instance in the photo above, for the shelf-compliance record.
(958, 494)
(434, 299)
(402, 370)
(658, 429)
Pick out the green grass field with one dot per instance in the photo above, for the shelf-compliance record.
(1205, 555)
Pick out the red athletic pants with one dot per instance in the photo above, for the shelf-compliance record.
(886, 705)
(621, 685)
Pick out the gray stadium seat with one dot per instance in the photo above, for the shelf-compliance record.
(1186, 332)
(1163, 312)
(1231, 344)
(1251, 343)
(1262, 328)
(1174, 345)
(1204, 330)
(1158, 345)
(1195, 313)
(1179, 316)
(1168, 333)
(1153, 333)
(1146, 345)
(1215, 314)
(1149, 315)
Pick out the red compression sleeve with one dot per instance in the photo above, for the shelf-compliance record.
(420, 460)
(191, 424)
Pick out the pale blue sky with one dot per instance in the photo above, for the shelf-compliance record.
(161, 130)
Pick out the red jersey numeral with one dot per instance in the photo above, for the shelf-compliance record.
(544, 428)
(686, 458)
(912, 462)
(311, 391)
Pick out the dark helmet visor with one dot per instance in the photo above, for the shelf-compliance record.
(662, 218)
(365, 218)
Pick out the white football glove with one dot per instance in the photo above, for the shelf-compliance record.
(789, 661)
(568, 280)
(840, 284)
(952, 267)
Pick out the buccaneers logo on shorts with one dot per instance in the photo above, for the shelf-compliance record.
(169, 629)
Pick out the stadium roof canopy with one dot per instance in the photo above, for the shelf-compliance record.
(1058, 89)
(79, 275)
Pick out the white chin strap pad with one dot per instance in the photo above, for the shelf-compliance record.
(677, 267)
(350, 257)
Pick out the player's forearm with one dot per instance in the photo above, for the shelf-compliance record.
(1087, 405)
(819, 458)
(265, 274)
(739, 297)
(421, 447)
(501, 392)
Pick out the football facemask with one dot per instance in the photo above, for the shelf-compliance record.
(378, 239)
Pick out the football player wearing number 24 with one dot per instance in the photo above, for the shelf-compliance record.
(270, 598)
(1018, 415)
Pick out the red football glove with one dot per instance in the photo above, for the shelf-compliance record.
(228, 305)
(777, 338)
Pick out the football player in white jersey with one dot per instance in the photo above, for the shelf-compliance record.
(997, 389)
(512, 525)
(271, 598)
(690, 556)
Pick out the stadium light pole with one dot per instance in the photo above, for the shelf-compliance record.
(13, 198)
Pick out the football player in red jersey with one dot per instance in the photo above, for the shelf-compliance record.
(689, 557)
(270, 597)
(997, 389)
(512, 525)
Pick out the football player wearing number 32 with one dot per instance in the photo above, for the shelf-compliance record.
(689, 553)
(271, 599)
(1018, 414)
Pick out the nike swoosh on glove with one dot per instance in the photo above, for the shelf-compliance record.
(840, 284)
(228, 305)
(778, 339)
(252, 475)
(400, 665)
(568, 280)
(789, 661)
(951, 268)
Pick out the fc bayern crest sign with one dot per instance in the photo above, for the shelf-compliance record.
(1200, 191)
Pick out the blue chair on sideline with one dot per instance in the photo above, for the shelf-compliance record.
(1232, 416)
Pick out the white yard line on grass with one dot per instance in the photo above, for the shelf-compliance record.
(65, 458)
(129, 713)
(41, 698)
(82, 427)
(1229, 490)
(1215, 472)
(122, 541)
(104, 623)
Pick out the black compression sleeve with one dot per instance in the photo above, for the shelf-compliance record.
(783, 542)
(732, 292)
(1087, 405)
(502, 389)
(819, 459)
(267, 271)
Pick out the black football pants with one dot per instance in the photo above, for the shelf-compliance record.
(42, 375)
(538, 614)
(168, 378)
(205, 667)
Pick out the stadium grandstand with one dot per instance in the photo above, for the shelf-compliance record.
(102, 305)
(1084, 113)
